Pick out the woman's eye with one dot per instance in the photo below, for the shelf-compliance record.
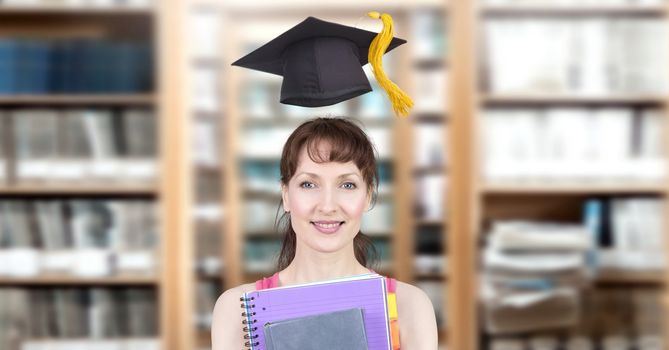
(307, 184)
(349, 186)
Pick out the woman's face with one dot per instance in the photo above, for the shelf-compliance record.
(326, 202)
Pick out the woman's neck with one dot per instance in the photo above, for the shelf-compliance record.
(311, 266)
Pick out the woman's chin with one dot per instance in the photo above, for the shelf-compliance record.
(327, 244)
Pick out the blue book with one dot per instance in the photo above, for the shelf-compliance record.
(8, 65)
(592, 218)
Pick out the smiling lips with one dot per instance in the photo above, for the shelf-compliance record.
(327, 226)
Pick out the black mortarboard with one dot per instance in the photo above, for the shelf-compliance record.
(321, 62)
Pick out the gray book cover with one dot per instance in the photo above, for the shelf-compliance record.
(339, 330)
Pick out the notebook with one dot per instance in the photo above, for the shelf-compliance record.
(322, 331)
(367, 292)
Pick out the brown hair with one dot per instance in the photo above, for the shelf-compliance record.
(348, 142)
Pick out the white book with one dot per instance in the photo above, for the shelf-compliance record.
(533, 236)
(566, 142)
(614, 127)
(507, 59)
(496, 149)
(206, 89)
(433, 190)
(206, 147)
(430, 145)
(592, 68)
(36, 147)
(206, 31)
(430, 91)
(650, 160)
(106, 155)
(523, 142)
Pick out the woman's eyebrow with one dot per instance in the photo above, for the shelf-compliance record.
(347, 174)
(339, 177)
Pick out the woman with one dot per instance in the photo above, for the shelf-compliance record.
(328, 180)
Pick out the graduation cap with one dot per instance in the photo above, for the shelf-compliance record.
(321, 62)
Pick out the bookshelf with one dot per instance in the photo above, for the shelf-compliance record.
(248, 25)
(148, 294)
(477, 202)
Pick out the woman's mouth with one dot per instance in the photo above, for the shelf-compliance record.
(327, 227)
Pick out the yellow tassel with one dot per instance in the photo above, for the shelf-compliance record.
(400, 100)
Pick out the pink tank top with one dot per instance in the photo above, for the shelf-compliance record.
(391, 285)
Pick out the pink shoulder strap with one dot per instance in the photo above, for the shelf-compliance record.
(268, 282)
(391, 284)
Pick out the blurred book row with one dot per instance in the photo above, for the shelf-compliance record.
(46, 237)
(430, 145)
(90, 317)
(259, 103)
(430, 197)
(258, 100)
(260, 142)
(630, 233)
(429, 255)
(534, 273)
(610, 319)
(51, 145)
(208, 238)
(584, 56)
(74, 66)
(574, 144)
(79, 3)
(207, 143)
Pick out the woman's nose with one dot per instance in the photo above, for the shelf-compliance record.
(328, 201)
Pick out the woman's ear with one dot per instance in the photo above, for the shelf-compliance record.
(368, 201)
(284, 198)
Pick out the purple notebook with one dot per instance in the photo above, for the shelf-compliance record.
(367, 292)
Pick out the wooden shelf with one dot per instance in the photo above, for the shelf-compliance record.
(62, 280)
(73, 190)
(570, 189)
(583, 10)
(430, 63)
(10, 10)
(544, 99)
(431, 276)
(429, 170)
(78, 99)
(428, 222)
(618, 277)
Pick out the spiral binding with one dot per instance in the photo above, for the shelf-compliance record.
(248, 322)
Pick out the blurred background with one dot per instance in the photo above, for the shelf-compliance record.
(139, 171)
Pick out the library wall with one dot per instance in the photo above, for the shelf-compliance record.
(525, 193)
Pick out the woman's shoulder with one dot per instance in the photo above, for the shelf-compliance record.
(413, 297)
(231, 296)
(416, 318)
(227, 334)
